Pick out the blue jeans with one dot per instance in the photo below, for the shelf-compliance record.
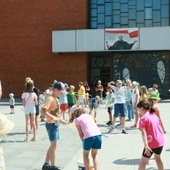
(130, 111)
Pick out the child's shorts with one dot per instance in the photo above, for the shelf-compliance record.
(30, 109)
(119, 110)
(94, 142)
(109, 110)
(155, 150)
(63, 107)
(11, 106)
(70, 105)
(53, 131)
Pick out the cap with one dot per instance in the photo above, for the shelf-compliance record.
(6, 125)
(59, 86)
(135, 83)
(73, 108)
(154, 96)
(66, 85)
(11, 94)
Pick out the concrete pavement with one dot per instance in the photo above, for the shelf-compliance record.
(119, 151)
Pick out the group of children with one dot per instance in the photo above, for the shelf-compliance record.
(145, 108)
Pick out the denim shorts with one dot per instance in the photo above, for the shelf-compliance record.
(94, 142)
(53, 131)
(119, 110)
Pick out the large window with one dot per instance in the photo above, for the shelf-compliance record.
(145, 67)
(129, 13)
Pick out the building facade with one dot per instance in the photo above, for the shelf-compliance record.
(147, 65)
(66, 41)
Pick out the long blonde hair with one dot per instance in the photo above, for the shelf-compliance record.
(144, 93)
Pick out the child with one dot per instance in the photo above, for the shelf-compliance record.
(87, 89)
(29, 100)
(143, 93)
(71, 99)
(152, 135)
(81, 94)
(51, 110)
(109, 104)
(6, 126)
(135, 100)
(94, 104)
(63, 101)
(119, 104)
(12, 102)
(153, 100)
(41, 102)
(89, 134)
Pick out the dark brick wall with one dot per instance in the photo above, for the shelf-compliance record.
(26, 43)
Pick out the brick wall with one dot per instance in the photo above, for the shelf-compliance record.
(26, 43)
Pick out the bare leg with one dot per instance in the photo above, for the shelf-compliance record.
(122, 121)
(63, 113)
(86, 159)
(36, 123)
(113, 121)
(110, 117)
(95, 159)
(33, 126)
(51, 154)
(143, 163)
(159, 162)
(27, 122)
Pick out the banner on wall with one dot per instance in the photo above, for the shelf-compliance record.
(122, 39)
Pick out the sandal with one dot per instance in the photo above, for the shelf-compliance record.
(33, 140)
(26, 140)
(111, 129)
(124, 131)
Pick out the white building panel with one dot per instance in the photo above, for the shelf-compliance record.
(63, 41)
(90, 40)
(155, 38)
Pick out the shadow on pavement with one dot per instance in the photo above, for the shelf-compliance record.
(125, 161)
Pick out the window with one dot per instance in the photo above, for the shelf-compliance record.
(116, 5)
(124, 7)
(156, 4)
(148, 3)
(140, 5)
(164, 11)
(100, 18)
(156, 16)
(108, 21)
(129, 13)
(108, 9)
(132, 14)
(100, 9)
(148, 13)
(140, 17)
(148, 23)
(93, 12)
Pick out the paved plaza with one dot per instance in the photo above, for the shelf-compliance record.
(119, 151)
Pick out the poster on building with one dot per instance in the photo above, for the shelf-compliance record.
(122, 39)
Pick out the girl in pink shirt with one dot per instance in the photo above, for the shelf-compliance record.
(152, 135)
(29, 99)
(89, 134)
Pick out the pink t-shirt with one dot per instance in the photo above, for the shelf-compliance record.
(153, 128)
(29, 98)
(87, 125)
